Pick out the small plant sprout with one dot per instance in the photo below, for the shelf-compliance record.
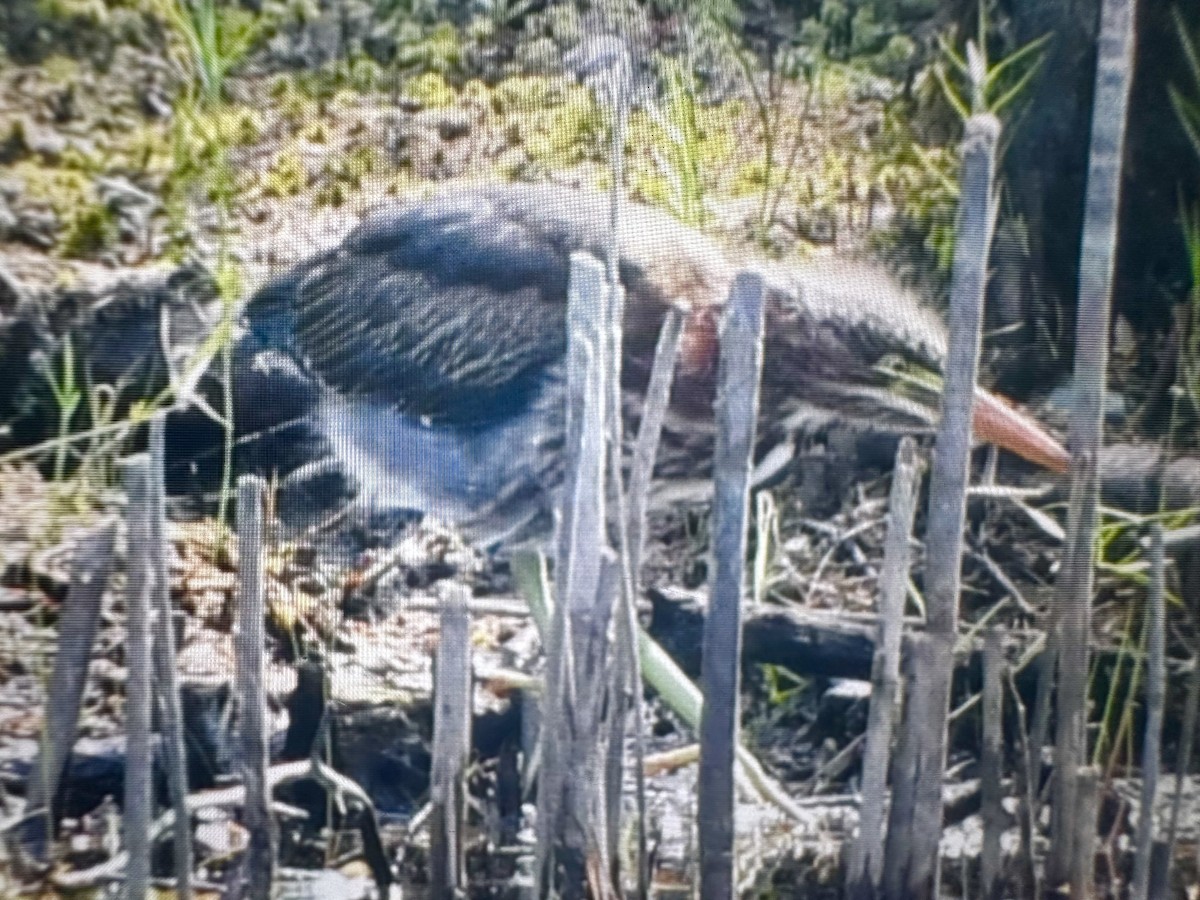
(987, 88)
(767, 540)
(1188, 108)
(682, 162)
(1189, 362)
(67, 397)
(217, 38)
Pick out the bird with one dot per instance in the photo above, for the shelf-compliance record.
(420, 363)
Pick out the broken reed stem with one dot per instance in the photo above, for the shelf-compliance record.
(451, 744)
(1097, 260)
(991, 765)
(249, 653)
(567, 831)
(170, 703)
(1156, 693)
(77, 626)
(139, 691)
(737, 415)
(866, 861)
(947, 494)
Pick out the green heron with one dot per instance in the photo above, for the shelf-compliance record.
(424, 355)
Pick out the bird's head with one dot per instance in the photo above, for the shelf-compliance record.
(843, 338)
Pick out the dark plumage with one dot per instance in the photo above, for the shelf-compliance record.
(425, 353)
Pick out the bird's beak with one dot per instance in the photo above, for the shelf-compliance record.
(998, 423)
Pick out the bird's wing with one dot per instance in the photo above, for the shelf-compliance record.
(448, 309)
